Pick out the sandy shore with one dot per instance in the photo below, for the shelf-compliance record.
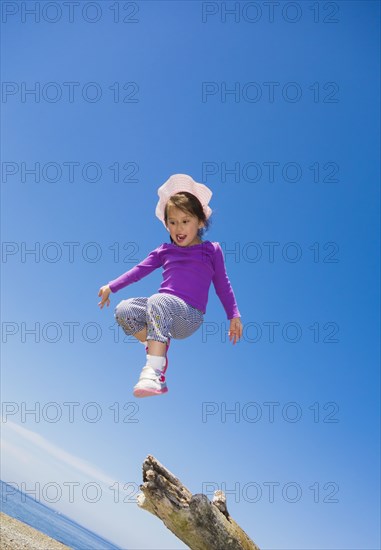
(16, 535)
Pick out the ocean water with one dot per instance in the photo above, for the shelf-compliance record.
(48, 521)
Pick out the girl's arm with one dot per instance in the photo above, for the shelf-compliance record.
(226, 295)
(144, 268)
(222, 285)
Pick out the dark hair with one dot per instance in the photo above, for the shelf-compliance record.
(189, 204)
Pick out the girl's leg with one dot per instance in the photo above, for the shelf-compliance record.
(131, 316)
(141, 335)
(158, 324)
(169, 316)
(156, 348)
(152, 379)
(185, 319)
(157, 319)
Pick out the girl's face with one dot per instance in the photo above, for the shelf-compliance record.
(183, 227)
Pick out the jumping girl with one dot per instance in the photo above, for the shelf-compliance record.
(189, 266)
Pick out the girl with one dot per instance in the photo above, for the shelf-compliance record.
(189, 266)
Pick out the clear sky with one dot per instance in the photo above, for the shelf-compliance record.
(276, 109)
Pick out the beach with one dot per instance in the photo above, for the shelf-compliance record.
(16, 535)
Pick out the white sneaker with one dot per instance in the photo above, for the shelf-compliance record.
(151, 381)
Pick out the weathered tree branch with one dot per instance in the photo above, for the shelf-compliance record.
(201, 524)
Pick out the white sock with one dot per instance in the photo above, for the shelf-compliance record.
(156, 362)
(144, 343)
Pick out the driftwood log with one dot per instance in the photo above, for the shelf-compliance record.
(199, 523)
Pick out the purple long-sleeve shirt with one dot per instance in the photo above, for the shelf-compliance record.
(187, 273)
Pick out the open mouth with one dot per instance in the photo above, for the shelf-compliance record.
(181, 238)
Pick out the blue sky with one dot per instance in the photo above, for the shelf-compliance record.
(299, 224)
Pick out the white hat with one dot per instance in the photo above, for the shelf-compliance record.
(182, 182)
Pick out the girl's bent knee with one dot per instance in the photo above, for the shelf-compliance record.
(117, 310)
(122, 307)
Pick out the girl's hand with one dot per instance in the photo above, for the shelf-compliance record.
(104, 291)
(235, 331)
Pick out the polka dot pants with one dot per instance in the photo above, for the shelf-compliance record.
(165, 316)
